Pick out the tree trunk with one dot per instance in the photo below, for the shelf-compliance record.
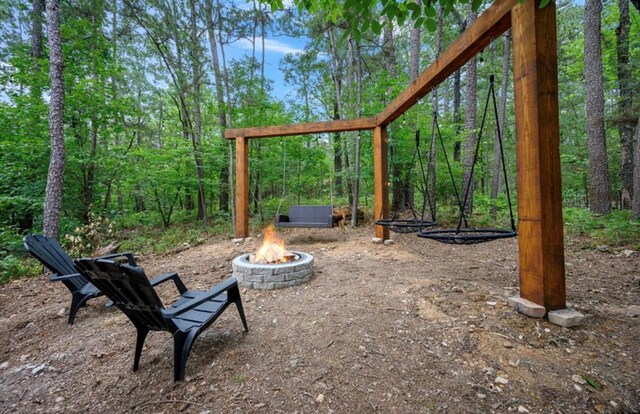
(635, 207)
(470, 129)
(626, 119)
(431, 167)
(336, 70)
(599, 186)
(197, 118)
(496, 180)
(55, 177)
(357, 60)
(223, 202)
(36, 29)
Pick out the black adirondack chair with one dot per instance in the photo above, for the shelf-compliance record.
(49, 252)
(130, 290)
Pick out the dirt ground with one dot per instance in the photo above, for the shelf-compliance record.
(413, 327)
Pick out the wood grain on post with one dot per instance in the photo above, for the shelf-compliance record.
(242, 187)
(541, 245)
(381, 179)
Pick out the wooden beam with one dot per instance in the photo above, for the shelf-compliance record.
(381, 179)
(491, 24)
(242, 187)
(302, 129)
(541, 247)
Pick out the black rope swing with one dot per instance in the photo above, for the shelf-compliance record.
(417, 223)
(467, 235)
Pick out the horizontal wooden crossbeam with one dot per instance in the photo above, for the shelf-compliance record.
(302, 129)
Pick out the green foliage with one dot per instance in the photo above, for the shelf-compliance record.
(14, 263)
(615, 229)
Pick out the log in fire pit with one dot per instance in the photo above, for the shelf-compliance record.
(272, 266)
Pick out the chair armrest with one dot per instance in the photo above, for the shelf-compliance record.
(169, 276)
(58, 278)
(206, 296)
(128, 255)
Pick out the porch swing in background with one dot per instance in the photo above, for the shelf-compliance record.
(466, 234)
(417, 222)
(305, 216)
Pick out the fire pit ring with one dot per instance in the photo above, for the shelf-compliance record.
(273, 276)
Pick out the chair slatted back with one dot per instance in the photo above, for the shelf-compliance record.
(129, 289)
(49, 252)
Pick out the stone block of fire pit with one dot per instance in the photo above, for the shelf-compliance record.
(273, 276)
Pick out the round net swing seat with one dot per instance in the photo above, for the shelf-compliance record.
(467, 236)
(405, 226)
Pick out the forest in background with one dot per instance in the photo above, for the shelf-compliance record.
(149, 91)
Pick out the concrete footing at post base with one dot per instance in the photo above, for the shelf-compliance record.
(566, 318)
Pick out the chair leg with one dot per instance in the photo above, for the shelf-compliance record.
(238, 303)
(77, 301)
(234, 295)
(182, 343)
(142, 335)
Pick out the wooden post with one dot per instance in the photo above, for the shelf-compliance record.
(381, 179)
(242, 187)
(541, 246)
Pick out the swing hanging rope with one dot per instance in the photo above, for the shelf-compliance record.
(416, 223)
(468, 235)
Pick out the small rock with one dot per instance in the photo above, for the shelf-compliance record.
(603, 249)
(320, 398)
(507, 344)
(514, 363)
(238, 241)
(613, 404)
(377, 240)
(259, 405)
(38, 369)
(522, 409)
(481, 395)
(578, 379)
(577, 387)
(501, 380)
(389, 242)
(492, 303)
(4, 365)
(59, 399)
(628, 252)
(61, 312)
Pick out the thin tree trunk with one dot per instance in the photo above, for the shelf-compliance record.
(626, 119)
(431, 168)
(357, 59)
(496, 181)
(470, 128)
(223, 202)
(599, 184)
(635, 207)
(55, 176)
(197, 127)
(336, 70)
(36, 29)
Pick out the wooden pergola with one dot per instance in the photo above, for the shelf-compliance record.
(541, 246)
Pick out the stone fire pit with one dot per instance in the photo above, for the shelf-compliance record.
(273, 276)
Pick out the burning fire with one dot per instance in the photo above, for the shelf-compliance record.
(272, 249)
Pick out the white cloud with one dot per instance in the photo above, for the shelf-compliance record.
(270, 45)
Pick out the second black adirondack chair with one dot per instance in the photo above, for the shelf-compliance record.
(49, 252)
(130, 290)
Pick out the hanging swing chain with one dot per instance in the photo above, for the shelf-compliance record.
(446, 158)
(425, 178)
(504, 167)
(490, 93)
(284, 175)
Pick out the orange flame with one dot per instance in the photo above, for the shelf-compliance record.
(272, 249)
